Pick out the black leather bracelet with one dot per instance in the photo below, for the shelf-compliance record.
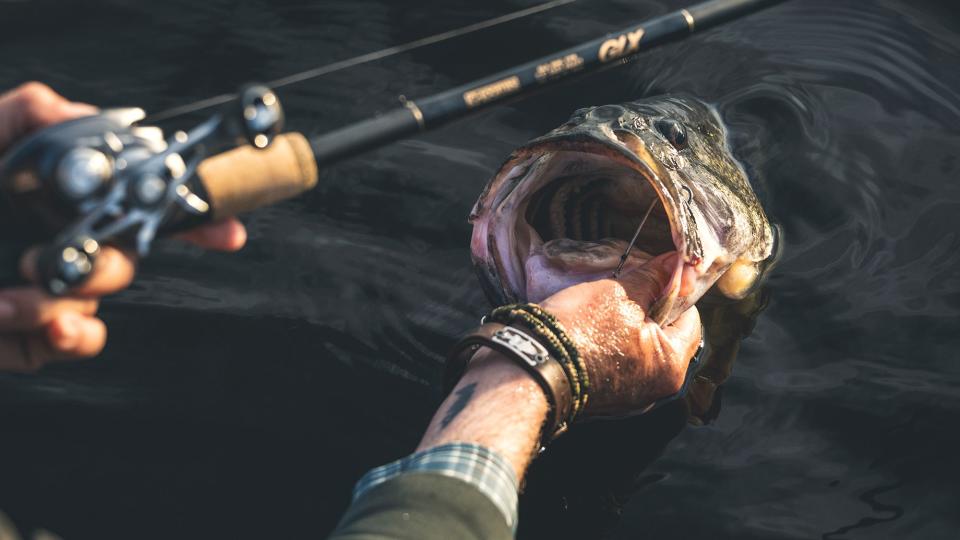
(528, 353)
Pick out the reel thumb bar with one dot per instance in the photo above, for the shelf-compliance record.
(244, 179)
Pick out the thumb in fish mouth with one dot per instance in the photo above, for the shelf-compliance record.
(656, 285)
(631, 359)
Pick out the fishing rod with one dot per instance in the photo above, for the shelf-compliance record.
(109, 178)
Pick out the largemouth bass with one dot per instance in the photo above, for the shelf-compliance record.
(564, 207)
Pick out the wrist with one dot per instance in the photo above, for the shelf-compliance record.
(515, 385)
(496, 404)
(486, 362)
(540, 348)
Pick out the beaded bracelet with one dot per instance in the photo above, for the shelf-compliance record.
(553, 336)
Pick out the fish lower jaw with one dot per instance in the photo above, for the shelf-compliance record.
(563, 263)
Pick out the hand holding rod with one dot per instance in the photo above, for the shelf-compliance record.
(103, 178)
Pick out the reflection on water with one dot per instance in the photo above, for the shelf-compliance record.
(262, 384)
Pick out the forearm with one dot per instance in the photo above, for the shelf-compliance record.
(467, 467)
(497, 405)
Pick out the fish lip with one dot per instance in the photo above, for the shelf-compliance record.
(604, 146)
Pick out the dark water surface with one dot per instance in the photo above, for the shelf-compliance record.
(242, 395)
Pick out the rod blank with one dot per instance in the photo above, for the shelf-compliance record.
(439, 109)
(259, 183)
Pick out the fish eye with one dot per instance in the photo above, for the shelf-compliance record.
(674, 132)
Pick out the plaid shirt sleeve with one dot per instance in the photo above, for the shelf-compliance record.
(472, 463)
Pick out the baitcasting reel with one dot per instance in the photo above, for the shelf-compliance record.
(104, 178)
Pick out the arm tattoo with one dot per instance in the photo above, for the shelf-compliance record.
(464, 395)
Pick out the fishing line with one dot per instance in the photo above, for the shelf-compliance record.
(623, 258)
(363, 59)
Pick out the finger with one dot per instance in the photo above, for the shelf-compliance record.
(34, 105)
(27, 308)
(229, 235)
(643, 284)
(68, 337)
(71, 335)
(685, 333)
(113, 271)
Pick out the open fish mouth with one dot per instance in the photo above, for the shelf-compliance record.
(575, 209)
(597, 209)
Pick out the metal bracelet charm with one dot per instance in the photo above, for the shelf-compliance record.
(523, 346)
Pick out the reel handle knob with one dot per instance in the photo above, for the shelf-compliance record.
(261, 116)
(64, 266)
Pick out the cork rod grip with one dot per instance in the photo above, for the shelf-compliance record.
(246, 178)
